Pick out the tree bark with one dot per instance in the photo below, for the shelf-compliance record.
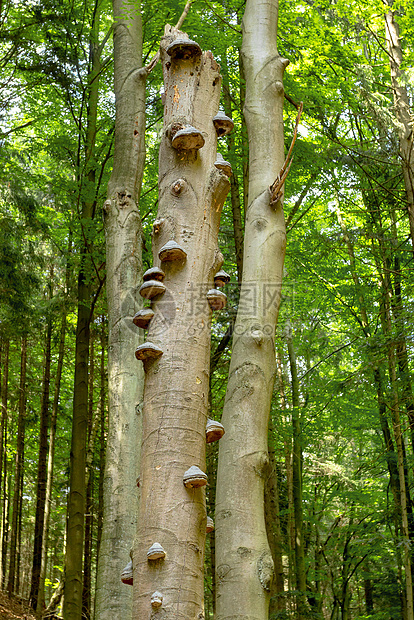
(402, 112)
(244, 562)
(3, 427)
(297, 486)
(41, 470)
(102, 439)
(191, 194)
(124, 269)
(273, 527)
(18, 468)
(72, 602)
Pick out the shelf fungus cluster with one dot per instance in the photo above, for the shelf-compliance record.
(194, 478)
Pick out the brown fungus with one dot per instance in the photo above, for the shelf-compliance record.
(214, 430)
(171, 251)
(221, 278)
(188, 139)
(223, 165)
(183, 49)
(151, 288)
(194, 478)
(155, 552)
(148, 351)
(223, 124)
(143, 318)
(216, 299)
(155, 273)
(156, 600)
(209, 525)
(127, 574)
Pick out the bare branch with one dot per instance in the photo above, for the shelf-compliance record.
(145, 71)
(275, 189)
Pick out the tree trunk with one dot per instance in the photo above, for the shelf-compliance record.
(3, 426)
(297, 486)
(191, 194)
(273, 527)
(41, 471)
(102, 439)
(290, 521)
(51, 455)
(72, 605)
(234, 186)
(244, 562)
(124, 269)
(87, 553)
(18, 468)
(402, 112)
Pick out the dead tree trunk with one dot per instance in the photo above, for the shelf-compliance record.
(176, 355)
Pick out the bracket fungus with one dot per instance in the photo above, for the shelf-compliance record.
(156, 600)
(127, 574)
(188, 139)
(209, 525)
(223, 165)
(216, 299)
(183, 49)
(214, 430)
(148, 351)
(221, 278)
(157, 225)
(155, 273)
(155, 552)
(143, 318)
(223, 124)
(171, 251)
(194, 478)
(152, 288)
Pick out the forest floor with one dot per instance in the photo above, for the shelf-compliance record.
(14, 609)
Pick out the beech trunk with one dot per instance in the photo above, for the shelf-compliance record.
(243, 558)
(191, 194)
(403, 112)
(124, 270)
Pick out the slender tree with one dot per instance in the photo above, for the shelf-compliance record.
(244, 564)
(124, 270)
